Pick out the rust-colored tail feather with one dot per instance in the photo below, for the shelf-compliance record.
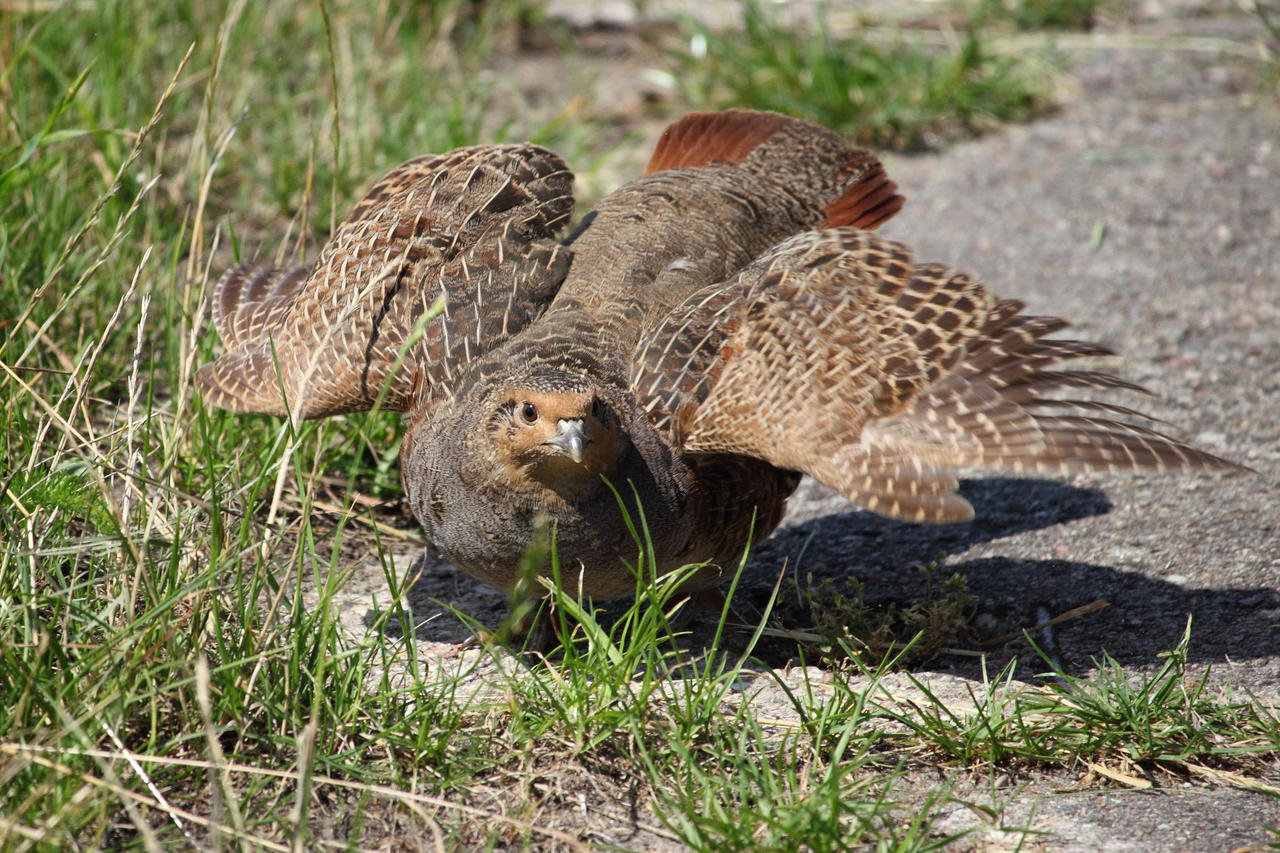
(700, 139)
(868, 203)
(847, 183)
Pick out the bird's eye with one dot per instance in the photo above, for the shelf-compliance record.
(528, 412)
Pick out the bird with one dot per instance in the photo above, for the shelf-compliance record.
(710, 332)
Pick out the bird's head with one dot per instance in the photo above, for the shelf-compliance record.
(557, 431)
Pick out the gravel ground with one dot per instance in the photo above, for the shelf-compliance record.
(1148, 212)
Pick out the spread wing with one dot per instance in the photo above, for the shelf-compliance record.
(837, 355)
(443, 259)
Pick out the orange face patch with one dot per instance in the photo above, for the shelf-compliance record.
(528, 440)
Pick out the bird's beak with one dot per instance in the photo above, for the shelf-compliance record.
(572, 439)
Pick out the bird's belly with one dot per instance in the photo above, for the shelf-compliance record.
(590, 556)
(596, 553)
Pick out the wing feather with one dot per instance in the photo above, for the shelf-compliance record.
(837, 355)
(443, 259)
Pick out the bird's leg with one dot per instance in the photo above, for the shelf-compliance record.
(543, 634)
(532, 627)
(711, 599)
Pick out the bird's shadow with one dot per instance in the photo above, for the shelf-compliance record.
(852, 541)
(1146, 615)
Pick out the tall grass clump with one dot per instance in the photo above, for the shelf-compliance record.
(155, 556)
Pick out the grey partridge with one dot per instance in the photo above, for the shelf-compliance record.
(710, 332)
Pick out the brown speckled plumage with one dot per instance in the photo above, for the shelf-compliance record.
(474, 229)
(721, 325)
